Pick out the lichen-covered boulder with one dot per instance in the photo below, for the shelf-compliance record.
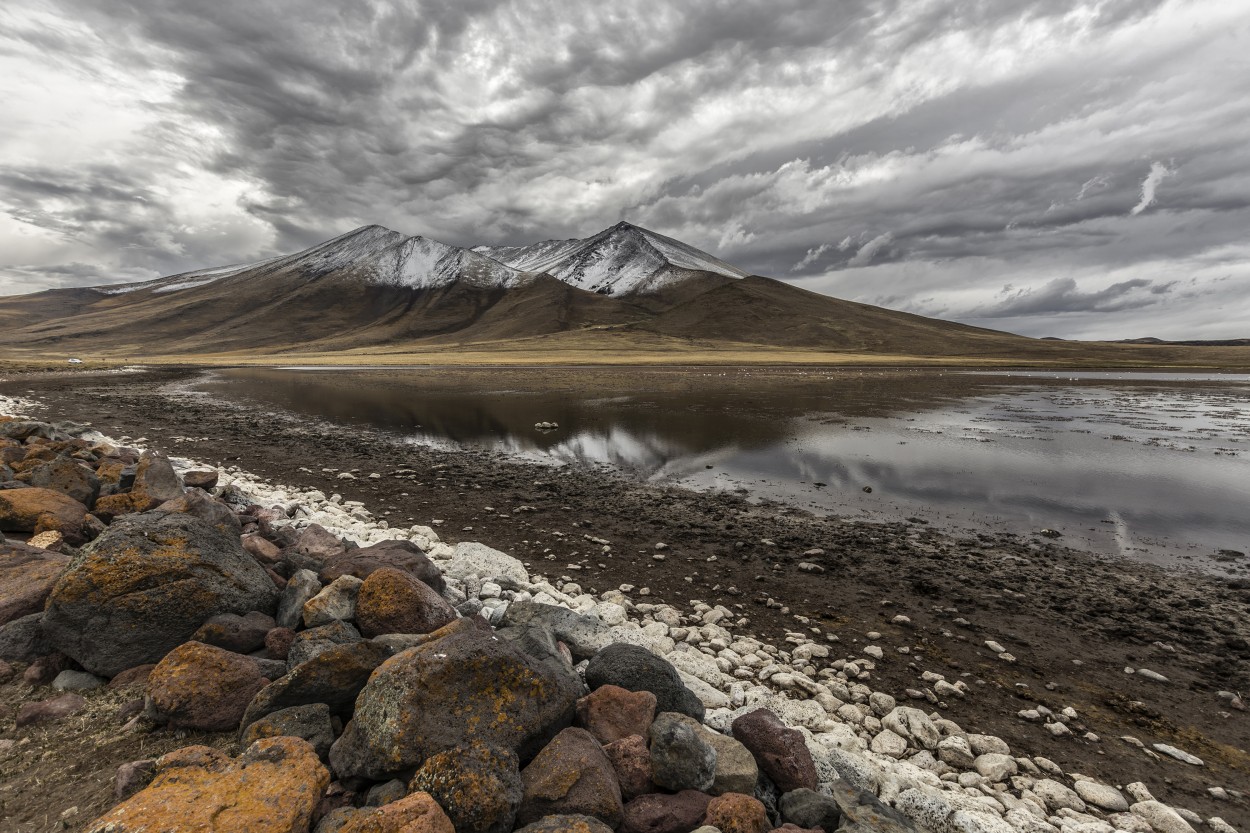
(571, 776)
(145, 586)
(211, 511)
(155, 482)
(310, 722)
(478, 786)
(737, 813)
(27, 576)
(394, 601)
(273, 787)
(198, 686)
(43, 510)
(67, 476)
(466, 684)
(334, 677)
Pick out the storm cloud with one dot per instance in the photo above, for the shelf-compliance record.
(1091, 156)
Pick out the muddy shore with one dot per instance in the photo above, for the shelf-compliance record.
(1073, 621)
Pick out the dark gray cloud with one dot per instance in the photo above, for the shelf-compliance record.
(917, 155)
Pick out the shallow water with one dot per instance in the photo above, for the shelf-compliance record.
(1150, 466)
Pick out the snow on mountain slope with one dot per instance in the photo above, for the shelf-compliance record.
(621, 260)
(184, 280)
(421, 263)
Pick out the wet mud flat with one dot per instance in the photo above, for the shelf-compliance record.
(1072, 620)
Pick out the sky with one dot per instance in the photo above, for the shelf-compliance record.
(1051, 168)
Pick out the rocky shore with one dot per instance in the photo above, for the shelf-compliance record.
(341, 671)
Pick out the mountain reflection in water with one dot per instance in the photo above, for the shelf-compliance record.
(1151, 466)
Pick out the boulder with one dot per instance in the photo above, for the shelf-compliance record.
(42, 510)
(474, 559)
(71, 680)
(45, 669)
(334, 677)
(611, 713)
(585, 635)
(132, 777)
(314, 548)
(467, 684)
(335, 603)
(780, 751)
(145, 586)
(213, 512)
(738, 813)
(22, 640)
(310, 722)
(313, 642)
(198, 686)
(204, 479)
(809, 809)
(566, 824)
(637, 669)
(300, 588)
(264, 551)
(632, 762)
(273, 787)
(26, 578)
(736, 770)
(659, 813)
(397, 554)
(681, 758)
(67, 476)
(278, 642)
(417, 813)
(133, 676)
(914, 725)
(394, 601)
(241, 634)
(155, 482)
(478, 786)
(54, 708)
(571, 776)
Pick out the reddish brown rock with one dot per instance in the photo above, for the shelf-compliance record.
(571, 776)
(66, 476)
(657, 813)
(737, 813)
(394, 601)
(241, 634)
(44, 669)
(204, 479)
(611, 713)
(54, 708)
(132, 777)
(278, 642)
(632, 762)
(273, 787)
(566, 824)
(399, 554)
(40, 510)
(418, 813)
(210, 510)
(779, 750)
(264, 551)
(198, 686)
(132, 676)
(27, 576)
(7, 672)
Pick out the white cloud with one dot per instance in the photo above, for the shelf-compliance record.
(811, 257)
(870, 249)
(1158, 173)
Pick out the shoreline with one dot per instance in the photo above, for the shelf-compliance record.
(866, 576)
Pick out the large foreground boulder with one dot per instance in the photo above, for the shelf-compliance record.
(273, 787)
(145, 586)
(467, 684)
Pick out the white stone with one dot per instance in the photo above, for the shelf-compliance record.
(1178, 754)
(914, 725)
(1139, 791)
(1102, 796)
(986, 744)
(995, 766)
(889, 743)
(1057, 796)
(1152, 675)
(474, 559)
(1218, 825)
(1161, 817)
(995, 647)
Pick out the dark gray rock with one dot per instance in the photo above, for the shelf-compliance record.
(808, 808)
(585, 635)
(66, 476)
(681, 759)
(213, 512)
(271, 669)
(637, 669)
(334, 677)
(241, 634)
(145, 586)
(385, 793)
(316, 641)
(864, 813)
(22, 640)
(310, 722)
(399, 554)
(300, 587)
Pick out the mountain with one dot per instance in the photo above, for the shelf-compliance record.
(620, 261)
(623, 290)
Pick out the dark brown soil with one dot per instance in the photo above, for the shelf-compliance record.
(1073, 620)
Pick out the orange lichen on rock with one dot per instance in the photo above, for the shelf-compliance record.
(198, 686)
(417, 813)
(273, 787)
(42, 510)
(395, 601)
(737, 813)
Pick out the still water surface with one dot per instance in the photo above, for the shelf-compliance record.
(1154, 466)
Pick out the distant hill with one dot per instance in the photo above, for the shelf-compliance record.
(374, 287)
(1227, 342)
